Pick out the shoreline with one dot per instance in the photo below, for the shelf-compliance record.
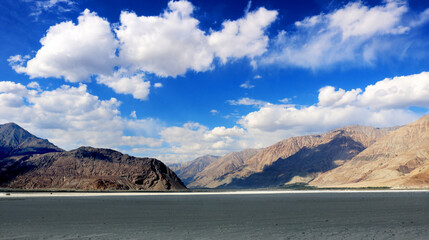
(248, 192)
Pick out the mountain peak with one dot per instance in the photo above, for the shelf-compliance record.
(15, 140)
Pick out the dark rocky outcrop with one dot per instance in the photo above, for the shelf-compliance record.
(28, 162)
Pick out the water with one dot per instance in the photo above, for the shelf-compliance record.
(369, 215)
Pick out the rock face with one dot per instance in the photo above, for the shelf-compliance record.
(29, 162)
(187, 171)
(216, 174)
(294, 160)
(398, 160)
(89, 168)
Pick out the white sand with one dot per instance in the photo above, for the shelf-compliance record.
(92, 194)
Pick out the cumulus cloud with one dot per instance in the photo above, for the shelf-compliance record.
(71, 117)
(193, 139)
(34, 85)
(398, 92)
(328, 96)
(123, 82)
(353, 33)
(166, 45)
(382, 104)
(244, 37)
(72, 51)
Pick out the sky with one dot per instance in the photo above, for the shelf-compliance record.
(176, 80)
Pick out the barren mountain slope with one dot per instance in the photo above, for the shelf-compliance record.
(399, 160)
(214, 174)
(187, 171)
(294, 157)
(89, 168)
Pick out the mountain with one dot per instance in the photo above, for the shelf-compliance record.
(216, 173)
(16, 141)
(293, 160)
(28, 162)
(187, 171)
(398, 160)
(88, 168)
(300, 159)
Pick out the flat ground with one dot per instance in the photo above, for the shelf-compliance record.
(267, 215)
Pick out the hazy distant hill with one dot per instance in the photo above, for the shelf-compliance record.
(217, 172)
(187, 171)
(29, 162)
(399, 160)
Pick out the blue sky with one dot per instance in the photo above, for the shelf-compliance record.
(179, 79)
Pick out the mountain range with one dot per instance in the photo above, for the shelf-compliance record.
(293, 160)
(348, 157)
(28, 162)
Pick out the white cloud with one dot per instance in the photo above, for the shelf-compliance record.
(11, 87)
(167, 45)
(59, 6)
(285, 100)
(244, 37)
(193, 139)
(214, 111)
(383, 104)
(125, 83)
(34, 85)
(71, 117)
(157, 85)
(398, 92)
(247, 85)
(356, 19)
(319, 118)
(72, 51)
(247, 102)
(353, 33)
(133, 114)
(328, 96)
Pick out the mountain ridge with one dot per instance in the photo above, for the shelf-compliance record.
(29, 162)
(398, 160)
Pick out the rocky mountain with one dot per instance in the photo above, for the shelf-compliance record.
(89, 168)
(16, 141)
(398, 160)
(187, 171)
(29, 162)
(293, 160)
(217, 172)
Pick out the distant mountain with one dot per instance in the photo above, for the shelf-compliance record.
(216, 173)
(398, 160)
(187, 171)
(16, 141)
(293, 160)
(28, 162)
